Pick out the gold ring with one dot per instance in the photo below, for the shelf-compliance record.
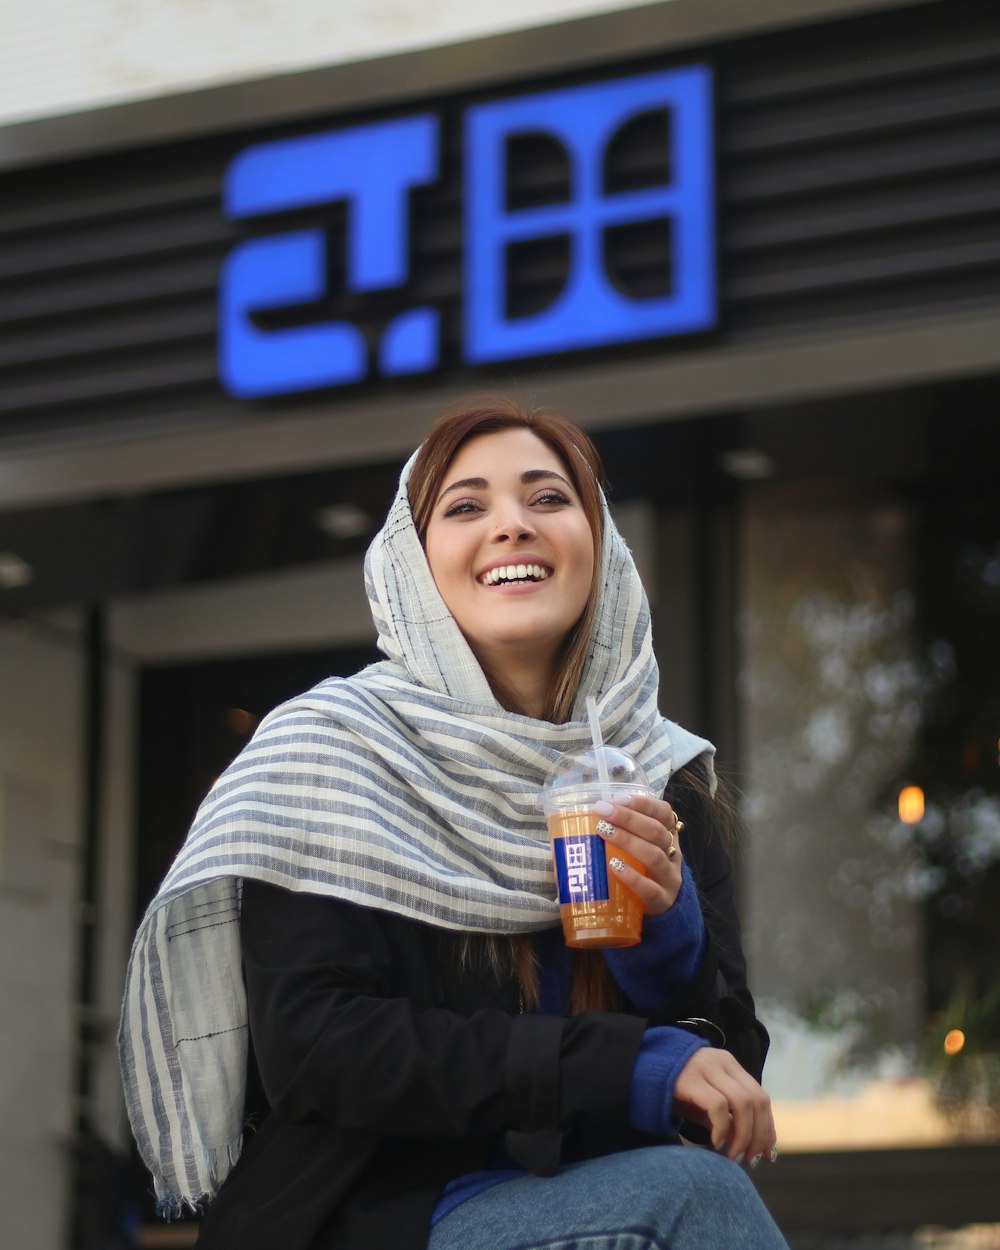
(672, 849)
(679, 827)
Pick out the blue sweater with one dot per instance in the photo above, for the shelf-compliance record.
(672, 948)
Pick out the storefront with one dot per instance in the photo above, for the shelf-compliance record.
(760, 259)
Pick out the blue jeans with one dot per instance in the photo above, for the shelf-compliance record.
(658, 1198)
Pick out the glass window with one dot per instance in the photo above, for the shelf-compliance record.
(870, 695)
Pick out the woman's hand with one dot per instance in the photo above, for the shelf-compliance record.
(647, 831)
(714, 1091)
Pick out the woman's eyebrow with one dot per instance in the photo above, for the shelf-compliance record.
(538, 475)
(466, 483)
(527, 477)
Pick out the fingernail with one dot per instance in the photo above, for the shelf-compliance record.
(720, 1148)
(755, 1160)
(603, 808)
(739, 1158)
(605, 829)
(773, 1156)
(617, 864)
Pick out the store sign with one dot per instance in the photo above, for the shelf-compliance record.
(373, 169)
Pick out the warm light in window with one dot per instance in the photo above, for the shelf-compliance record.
(911, 805)
(954, 1041)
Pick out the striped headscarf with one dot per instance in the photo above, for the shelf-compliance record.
(406, 788)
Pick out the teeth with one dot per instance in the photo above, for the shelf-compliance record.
(515, 573)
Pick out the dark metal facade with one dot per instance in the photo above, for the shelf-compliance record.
(858, 181)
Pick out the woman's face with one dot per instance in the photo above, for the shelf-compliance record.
(510, 550)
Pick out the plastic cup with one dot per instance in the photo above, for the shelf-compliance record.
(597, 908)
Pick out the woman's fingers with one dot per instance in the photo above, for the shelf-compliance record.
(650, 826)
(650, 863)
(645, 816)
(653, 896)
(697, 1099)
(751, 1124)
(713, 1090)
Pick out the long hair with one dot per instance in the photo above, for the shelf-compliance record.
(492, 414)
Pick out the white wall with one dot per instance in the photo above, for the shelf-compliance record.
(41, 677)
(60, 56)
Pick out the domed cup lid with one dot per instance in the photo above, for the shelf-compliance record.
(576, 778)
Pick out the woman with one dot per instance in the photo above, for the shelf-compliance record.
(360, 936)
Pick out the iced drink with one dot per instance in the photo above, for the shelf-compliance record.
(597, 908)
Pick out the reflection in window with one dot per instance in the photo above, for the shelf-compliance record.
(869, 687)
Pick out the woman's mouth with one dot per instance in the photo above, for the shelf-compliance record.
(512, 574)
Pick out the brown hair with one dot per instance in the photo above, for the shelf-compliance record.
(491, 414)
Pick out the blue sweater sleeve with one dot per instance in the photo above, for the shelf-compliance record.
(672, 948)
(663, 1054)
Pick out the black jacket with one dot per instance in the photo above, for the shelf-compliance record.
(386, 1070)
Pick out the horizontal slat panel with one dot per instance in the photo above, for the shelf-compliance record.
(113, 380)
(134, 242)
(40, 208)
(84, 338)
(897, 53)
(868, 116)
(79, 296)
(877, 268)
(875, 212)
(839, 171)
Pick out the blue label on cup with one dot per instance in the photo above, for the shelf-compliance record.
(581, 868)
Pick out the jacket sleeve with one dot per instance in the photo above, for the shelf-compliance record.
(346, 1027)
(716, 1002)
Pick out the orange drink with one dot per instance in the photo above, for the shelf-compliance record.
(596, 906)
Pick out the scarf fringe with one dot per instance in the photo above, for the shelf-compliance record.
(213, 1164)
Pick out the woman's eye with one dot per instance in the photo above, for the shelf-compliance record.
(551, 497)
(462, 506)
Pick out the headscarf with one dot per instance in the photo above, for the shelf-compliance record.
(405, 788)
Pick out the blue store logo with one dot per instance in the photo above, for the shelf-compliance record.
(373, 169)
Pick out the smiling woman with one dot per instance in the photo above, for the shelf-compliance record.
(362, 928)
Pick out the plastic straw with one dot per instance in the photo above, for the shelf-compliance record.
(598, 740)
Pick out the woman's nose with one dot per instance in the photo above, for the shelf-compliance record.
(513, 524)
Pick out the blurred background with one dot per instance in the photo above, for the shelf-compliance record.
(805, 466)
